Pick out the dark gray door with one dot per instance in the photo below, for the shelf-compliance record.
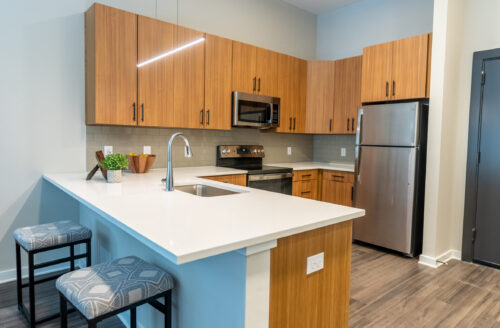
(487, 241)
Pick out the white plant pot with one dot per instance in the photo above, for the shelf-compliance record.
(114, 176)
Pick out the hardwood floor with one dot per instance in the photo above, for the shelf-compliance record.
(386, 291)
(392, 291)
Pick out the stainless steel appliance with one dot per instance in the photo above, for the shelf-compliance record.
(259, 176)
(390, 175)
(257, 111)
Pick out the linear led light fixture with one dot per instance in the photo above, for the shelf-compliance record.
(173, 51)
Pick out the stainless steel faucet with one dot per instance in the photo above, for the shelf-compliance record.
(169, 186)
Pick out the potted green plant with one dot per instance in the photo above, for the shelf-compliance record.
(114, 163)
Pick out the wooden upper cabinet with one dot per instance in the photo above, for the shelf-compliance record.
(299, 93)
(347, 94)
(110, 66)
(397, 70)
(189, 80)
(284, 92)
(410, 61)
(218, 61)
(155, 80)
(377, 73)
(320, 80)
(244, 67)
(267, 72)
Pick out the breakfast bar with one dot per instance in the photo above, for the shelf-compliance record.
(243, 259)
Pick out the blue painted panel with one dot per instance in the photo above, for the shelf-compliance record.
(208, 293)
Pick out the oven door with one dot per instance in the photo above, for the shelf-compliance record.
(255, 110)
(276, 182)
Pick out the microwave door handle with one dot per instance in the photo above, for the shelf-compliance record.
(271, 110)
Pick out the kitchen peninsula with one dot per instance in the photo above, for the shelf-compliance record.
(238, 260)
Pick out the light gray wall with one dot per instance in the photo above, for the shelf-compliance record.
(344, 32)
(327, 148)
(42, 88)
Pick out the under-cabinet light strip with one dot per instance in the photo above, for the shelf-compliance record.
(168, 53)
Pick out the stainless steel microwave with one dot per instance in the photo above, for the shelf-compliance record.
(250, 110)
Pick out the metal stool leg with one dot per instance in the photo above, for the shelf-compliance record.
(89, 253)
(64, 311)
(133, 317)
(72, 255)
(19, 277)
(168, 309)
(31, 287)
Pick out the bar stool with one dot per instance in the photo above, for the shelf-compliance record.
(104, 290)
(42, 238)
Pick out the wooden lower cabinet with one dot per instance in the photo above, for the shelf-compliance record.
(320, 299)
(337, 187)
(236, 179)
(305, 189)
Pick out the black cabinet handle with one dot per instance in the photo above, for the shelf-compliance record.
(259, 85)
(352, 124)
(254, 83)
(208, 116)
(347, 124)
(294, 123)
(142, 112)
(387, 88)
(202, 114)
(393, 88)
(331, 121)
(352, 193)
(290, 127)
(133, 111)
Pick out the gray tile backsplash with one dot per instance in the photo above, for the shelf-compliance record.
(327, 148)
(203, 142)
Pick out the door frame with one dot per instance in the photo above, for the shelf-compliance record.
(472, 171)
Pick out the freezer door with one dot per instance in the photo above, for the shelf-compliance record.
(389, 124)
(385, 185)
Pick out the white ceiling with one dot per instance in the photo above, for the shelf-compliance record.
(319, 6)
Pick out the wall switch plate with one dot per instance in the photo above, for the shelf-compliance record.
(315, 262)
(342, 152)
(146, 150)
(289, 150)
(108, 150)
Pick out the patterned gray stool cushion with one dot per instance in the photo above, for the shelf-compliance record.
(111, 286)
(50, 234)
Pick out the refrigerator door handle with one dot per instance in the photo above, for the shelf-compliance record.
(357, 151)
(359, 127)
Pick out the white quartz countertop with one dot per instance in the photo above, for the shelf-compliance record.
(317, 165)
(190, 227)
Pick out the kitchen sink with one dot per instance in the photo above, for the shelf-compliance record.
(205, 190)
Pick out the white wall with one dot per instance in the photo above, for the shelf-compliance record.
(42, 88)
(462, 27)
(344, 32)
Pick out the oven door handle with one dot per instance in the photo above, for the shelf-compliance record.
(264, 177)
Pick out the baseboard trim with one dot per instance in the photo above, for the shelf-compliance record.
(435, 262)
(10, 274)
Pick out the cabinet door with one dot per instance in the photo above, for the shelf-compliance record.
(347, 95)
(244, 67)
(189, 80)
(218, 66)
(336, 192)
(110, 66)
(285, 93)
(236, 179)
(319, 116)
(409, 77)
(299, 92)
(376, 76)
(267, 72)
(156, 79)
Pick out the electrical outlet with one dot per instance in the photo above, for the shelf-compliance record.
(315, 262)
(146, 150)
(342, 152)
(289, 150)
(108, 150)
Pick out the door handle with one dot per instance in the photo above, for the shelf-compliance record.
(294, 123)
(347, 124)
(290, 127)
(352, 124)
(208, 116)
(331, 121)
(393, 88)
(202, 114)
(387, 88)
(133, 111)
(142, 112)
(259, 85)
(254, 83)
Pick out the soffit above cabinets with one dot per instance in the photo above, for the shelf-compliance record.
(319, 6)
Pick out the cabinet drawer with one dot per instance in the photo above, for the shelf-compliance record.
(305, 175)
(338, 176)
(306, 189)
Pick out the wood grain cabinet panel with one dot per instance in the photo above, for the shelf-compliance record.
(299, 91)
(110, 66)
(189, 80)
(236, 179)
(347, 94)
(267, 72)
(244, 67)
(320, 80)
(305, 189)
(218, 67)
(337, 187)
(377, 73)
(321, 299)
(155, 80)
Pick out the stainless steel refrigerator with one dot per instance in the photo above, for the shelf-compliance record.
(390, 175)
